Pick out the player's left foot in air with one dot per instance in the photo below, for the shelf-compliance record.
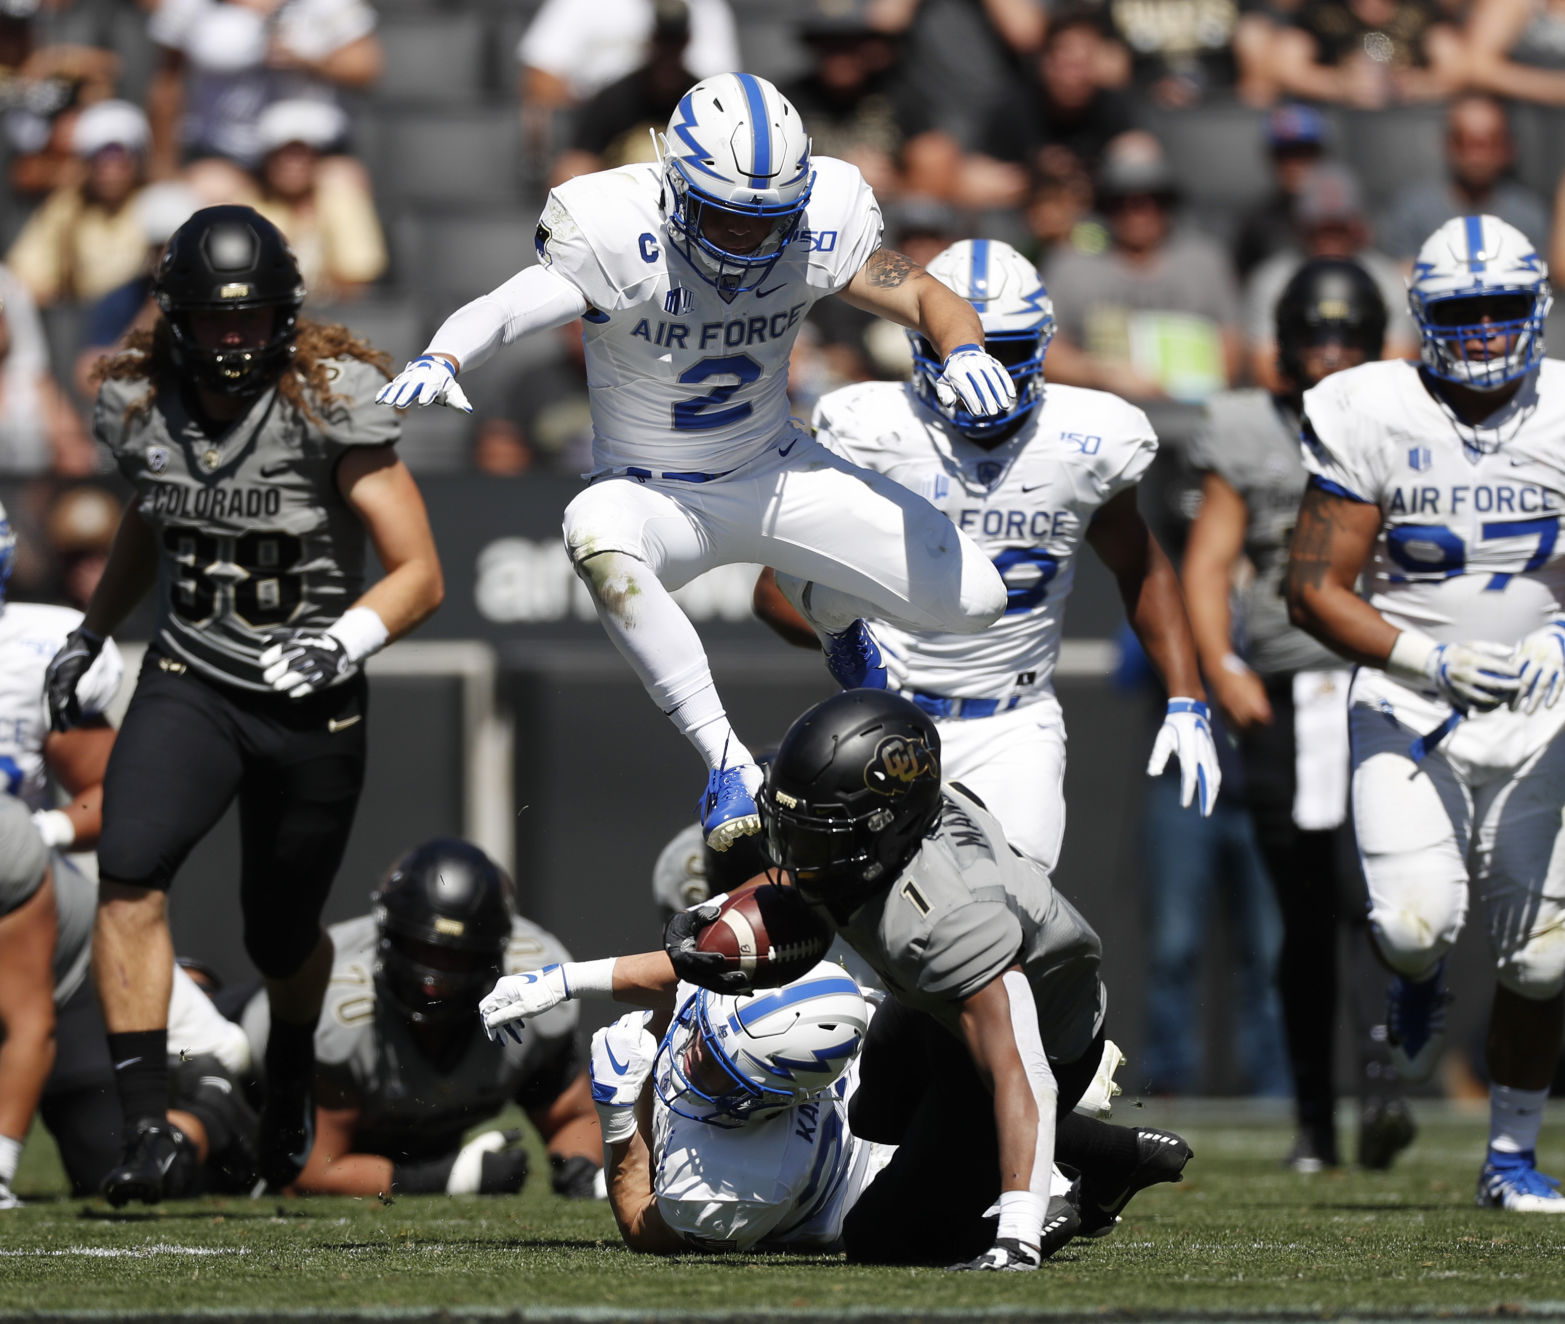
(1415, 1024)
(1161, 1156)
(728, 806)
(854, 660)
(1513, 1182)
(287, 1132)
(1386, 1128)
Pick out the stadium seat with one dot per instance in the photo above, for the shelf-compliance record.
(1218, 153)
(1540, 148)
(769, 44)
(1390, 149)
(448, 157)
(392, 324)
(435, 59)
(448, 258)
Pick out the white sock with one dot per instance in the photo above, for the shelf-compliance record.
(1515, 1118)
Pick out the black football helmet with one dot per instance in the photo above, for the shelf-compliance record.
(852, 790)
(225, 258)
(1328, 299)
(443, 916)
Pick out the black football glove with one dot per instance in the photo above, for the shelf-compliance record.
(504, 1172)
(703, 969)
(1007, 1255)
(302, 662)
(66, 669)
(576, 1177)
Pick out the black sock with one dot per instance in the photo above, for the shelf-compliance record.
(140, 1060)
(1098, 1148)
(290, 1054)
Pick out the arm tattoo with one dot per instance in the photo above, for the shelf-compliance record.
(887, 268)
(1309, 559)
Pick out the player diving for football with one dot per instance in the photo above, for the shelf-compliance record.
(1442, 483)
(693, 277)
(259, 465)
(401, 1069)
(1029, 486)
(993, 1030)
(1286, 699)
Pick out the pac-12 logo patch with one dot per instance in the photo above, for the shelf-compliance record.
(897, 764)
(1420, 457)
(678, 301)
(157, 459)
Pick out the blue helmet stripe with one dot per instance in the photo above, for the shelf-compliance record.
(979, 276)
(786, 997)
(1475, 261)
(760, 132)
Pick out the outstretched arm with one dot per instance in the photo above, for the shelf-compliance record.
(891, 285)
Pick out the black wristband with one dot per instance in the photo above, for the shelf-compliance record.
(427, 1178)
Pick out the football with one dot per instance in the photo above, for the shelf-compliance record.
(768, 932)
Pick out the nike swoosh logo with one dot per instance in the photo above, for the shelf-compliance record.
(1034, 487)
(334, 725)
(272, 470)
(761, 294)
(128, 1062)
(620, 1068)
(783, 450)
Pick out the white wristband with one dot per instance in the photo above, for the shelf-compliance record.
(55, 827)
(584, 977)
(10, 1156)
(1021, 1217)
(1235, 664)
(360, 631)
(618, 1124)
(1409, 657)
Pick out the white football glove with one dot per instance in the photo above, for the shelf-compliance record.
(467, 1173)
(622, 1058)
(304, 661)
(1478, 676)
(427, 380)
(517, 998)
(977, 379)
(1187, 734)
(1541, 659)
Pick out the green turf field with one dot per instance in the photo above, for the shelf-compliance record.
(1240, 1237)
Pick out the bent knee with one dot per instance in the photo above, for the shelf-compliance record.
(1536, 970)
(1412, 943)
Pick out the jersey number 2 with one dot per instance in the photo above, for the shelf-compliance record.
(1031, 591)
(697, 415)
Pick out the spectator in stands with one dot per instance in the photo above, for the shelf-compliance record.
(1329, 222)
(42, 83)
(1060, 126)
(322, 204)
(1179, 51)
(1367, 53)
(39, 430)
(1479, 154)
(79, 528)
(161, 209)
(223, 62)
(570, 51)
(1295, 141)
(856, 107)
(86, 238)
(1516, 49)
(612, 127)
(1154, 314)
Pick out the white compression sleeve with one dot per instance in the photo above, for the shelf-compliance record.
(1029, 1044)
(534, 299)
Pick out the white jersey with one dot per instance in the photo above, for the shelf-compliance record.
(1027, 503)
(785, 1180)
(30, 635)
(680, 379)
(1469, 543)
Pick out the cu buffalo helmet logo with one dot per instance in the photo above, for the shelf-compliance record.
(898, 764)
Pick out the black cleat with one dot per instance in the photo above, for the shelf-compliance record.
(287, 1135)
(1061, 1223)
(1161, 1156)
(158, 1162)
(1313, 1151)
(1386, 1128)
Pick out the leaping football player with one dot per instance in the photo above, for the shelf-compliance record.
(693, 277)
(1030, 486)
(1442, 482)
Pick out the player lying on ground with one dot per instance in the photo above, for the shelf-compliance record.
(994, 1026)
(260, 465)
(1030, 486)
(402, 1071)
(1442, 485)
(693, 277)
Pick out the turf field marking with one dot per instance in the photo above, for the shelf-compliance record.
(126, 1252)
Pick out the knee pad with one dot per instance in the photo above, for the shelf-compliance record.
(1536, 969)
(1409, 942)
(594, 525)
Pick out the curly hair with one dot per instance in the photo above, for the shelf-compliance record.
(303, 383)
